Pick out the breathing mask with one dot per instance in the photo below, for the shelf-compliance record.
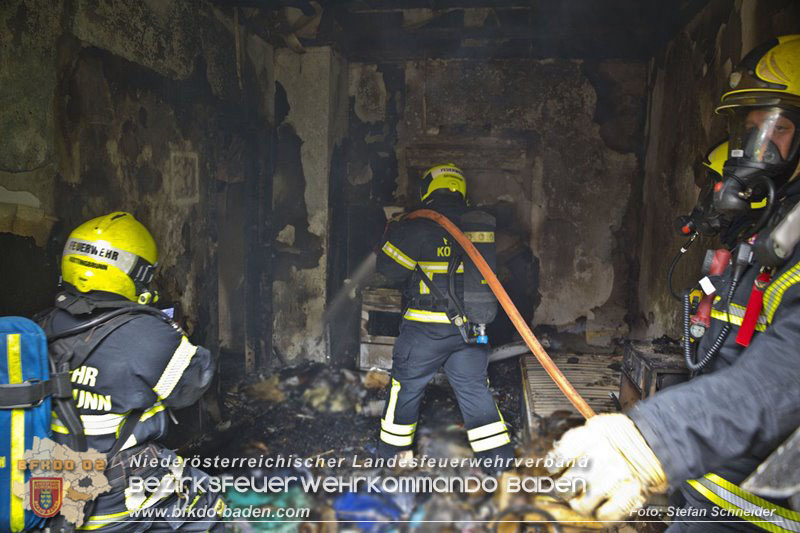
(762, 157)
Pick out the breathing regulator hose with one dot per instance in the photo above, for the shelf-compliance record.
(674, 263)
(688, 352)
(502, 296)
(740, 263)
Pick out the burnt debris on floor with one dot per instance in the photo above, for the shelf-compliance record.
(316, 411)
(312, 408)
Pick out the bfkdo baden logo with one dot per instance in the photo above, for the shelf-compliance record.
(45, 496)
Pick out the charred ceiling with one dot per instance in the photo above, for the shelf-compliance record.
(369, 30)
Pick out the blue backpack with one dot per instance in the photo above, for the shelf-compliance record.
(35, 377)
(25, 391)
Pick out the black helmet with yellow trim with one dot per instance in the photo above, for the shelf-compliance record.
(763, 109)
(113, 253)
(442, 177)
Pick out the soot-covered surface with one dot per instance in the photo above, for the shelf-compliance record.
(312, 409)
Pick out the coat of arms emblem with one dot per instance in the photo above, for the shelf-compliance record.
(46, 496)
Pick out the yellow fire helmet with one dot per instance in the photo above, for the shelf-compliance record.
(715, 160)
(447, 176)
(763, 110)
(768, 76)
(112, 253)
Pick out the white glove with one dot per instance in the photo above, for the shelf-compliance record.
(621, 472)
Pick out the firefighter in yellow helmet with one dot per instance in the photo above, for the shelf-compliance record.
(703, 218)
(763, 108)
(715, 160)
(703, 438)
(447, 177)
(447, 308)
(129, 365)
(113, 254)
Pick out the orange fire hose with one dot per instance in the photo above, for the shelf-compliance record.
(502, 296)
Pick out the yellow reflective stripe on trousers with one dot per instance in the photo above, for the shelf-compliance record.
(774, 293)
(397, 440)
(177, 364)
(398, 429)
(401, 258)
(490, 442)
(420, 315)
(486, 431)
(393, 392)
(13, 359)
(406, 438)
(745, 505)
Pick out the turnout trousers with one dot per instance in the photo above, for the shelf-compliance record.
(421, 349)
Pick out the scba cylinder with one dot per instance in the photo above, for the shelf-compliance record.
(480, 304)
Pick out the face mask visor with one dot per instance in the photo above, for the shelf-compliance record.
(763, 140)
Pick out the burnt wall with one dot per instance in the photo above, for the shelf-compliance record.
(162, 109)
(686, 79)
(552, 147)
(311, 112)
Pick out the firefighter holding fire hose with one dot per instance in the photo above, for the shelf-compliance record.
(704, 437)
(448, 305)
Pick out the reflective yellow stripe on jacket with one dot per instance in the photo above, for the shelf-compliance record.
(108, 424)
(177, 364)
(434, 267)
(774, 293)
(745, 505)
(421, 315)
(394, 252)
(94, 425)
(735, 314)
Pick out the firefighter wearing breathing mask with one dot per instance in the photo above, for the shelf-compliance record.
(448, 305)
(703, 438)
(128, 364)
